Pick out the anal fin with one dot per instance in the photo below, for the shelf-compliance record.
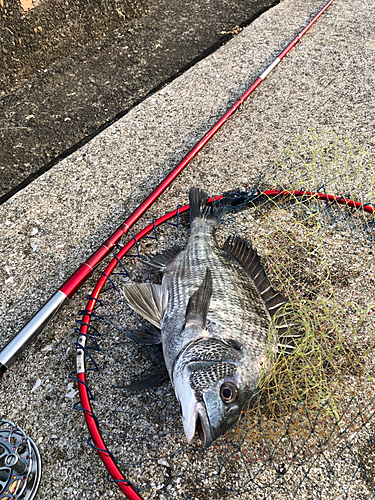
(162, 259)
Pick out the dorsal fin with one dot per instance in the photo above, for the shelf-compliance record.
(248, 257)
(197, 308)
(148, 300)
(162, 259)
(273, 300)
(287, 336)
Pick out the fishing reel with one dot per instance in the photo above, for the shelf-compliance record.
(20, 464)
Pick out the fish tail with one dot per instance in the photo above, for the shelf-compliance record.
(199, 208)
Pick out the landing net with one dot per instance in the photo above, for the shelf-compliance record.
(309, 432)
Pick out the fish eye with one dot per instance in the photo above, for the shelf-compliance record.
(228, 392)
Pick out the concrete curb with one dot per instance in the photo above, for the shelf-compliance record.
(51, 226)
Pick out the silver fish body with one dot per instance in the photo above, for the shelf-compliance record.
(214, 309)
(236, 310)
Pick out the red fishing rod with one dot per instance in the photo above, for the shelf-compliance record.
(9, 354)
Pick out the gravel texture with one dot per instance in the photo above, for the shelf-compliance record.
(87, 64)
(51, 226)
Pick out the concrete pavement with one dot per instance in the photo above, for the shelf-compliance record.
(52, 225)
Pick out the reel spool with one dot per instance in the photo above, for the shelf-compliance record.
(20, 464)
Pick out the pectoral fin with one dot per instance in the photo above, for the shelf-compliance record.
(148, 300)
(197, 308)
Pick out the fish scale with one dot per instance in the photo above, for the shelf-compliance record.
(213, 321)
(236, 308)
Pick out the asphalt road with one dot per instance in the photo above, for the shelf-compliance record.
(58, 94)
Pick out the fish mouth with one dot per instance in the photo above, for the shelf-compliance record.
(196, 421)
(202, 427)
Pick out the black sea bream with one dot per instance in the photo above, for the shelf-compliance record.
(214, 309)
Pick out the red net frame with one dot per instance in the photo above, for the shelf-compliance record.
(91, 421)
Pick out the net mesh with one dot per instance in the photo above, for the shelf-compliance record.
(309, 433)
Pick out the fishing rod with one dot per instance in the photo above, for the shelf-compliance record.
(11, 351)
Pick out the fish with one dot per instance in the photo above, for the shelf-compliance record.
(211, 316)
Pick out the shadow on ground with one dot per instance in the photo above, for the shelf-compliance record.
(71, 69)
